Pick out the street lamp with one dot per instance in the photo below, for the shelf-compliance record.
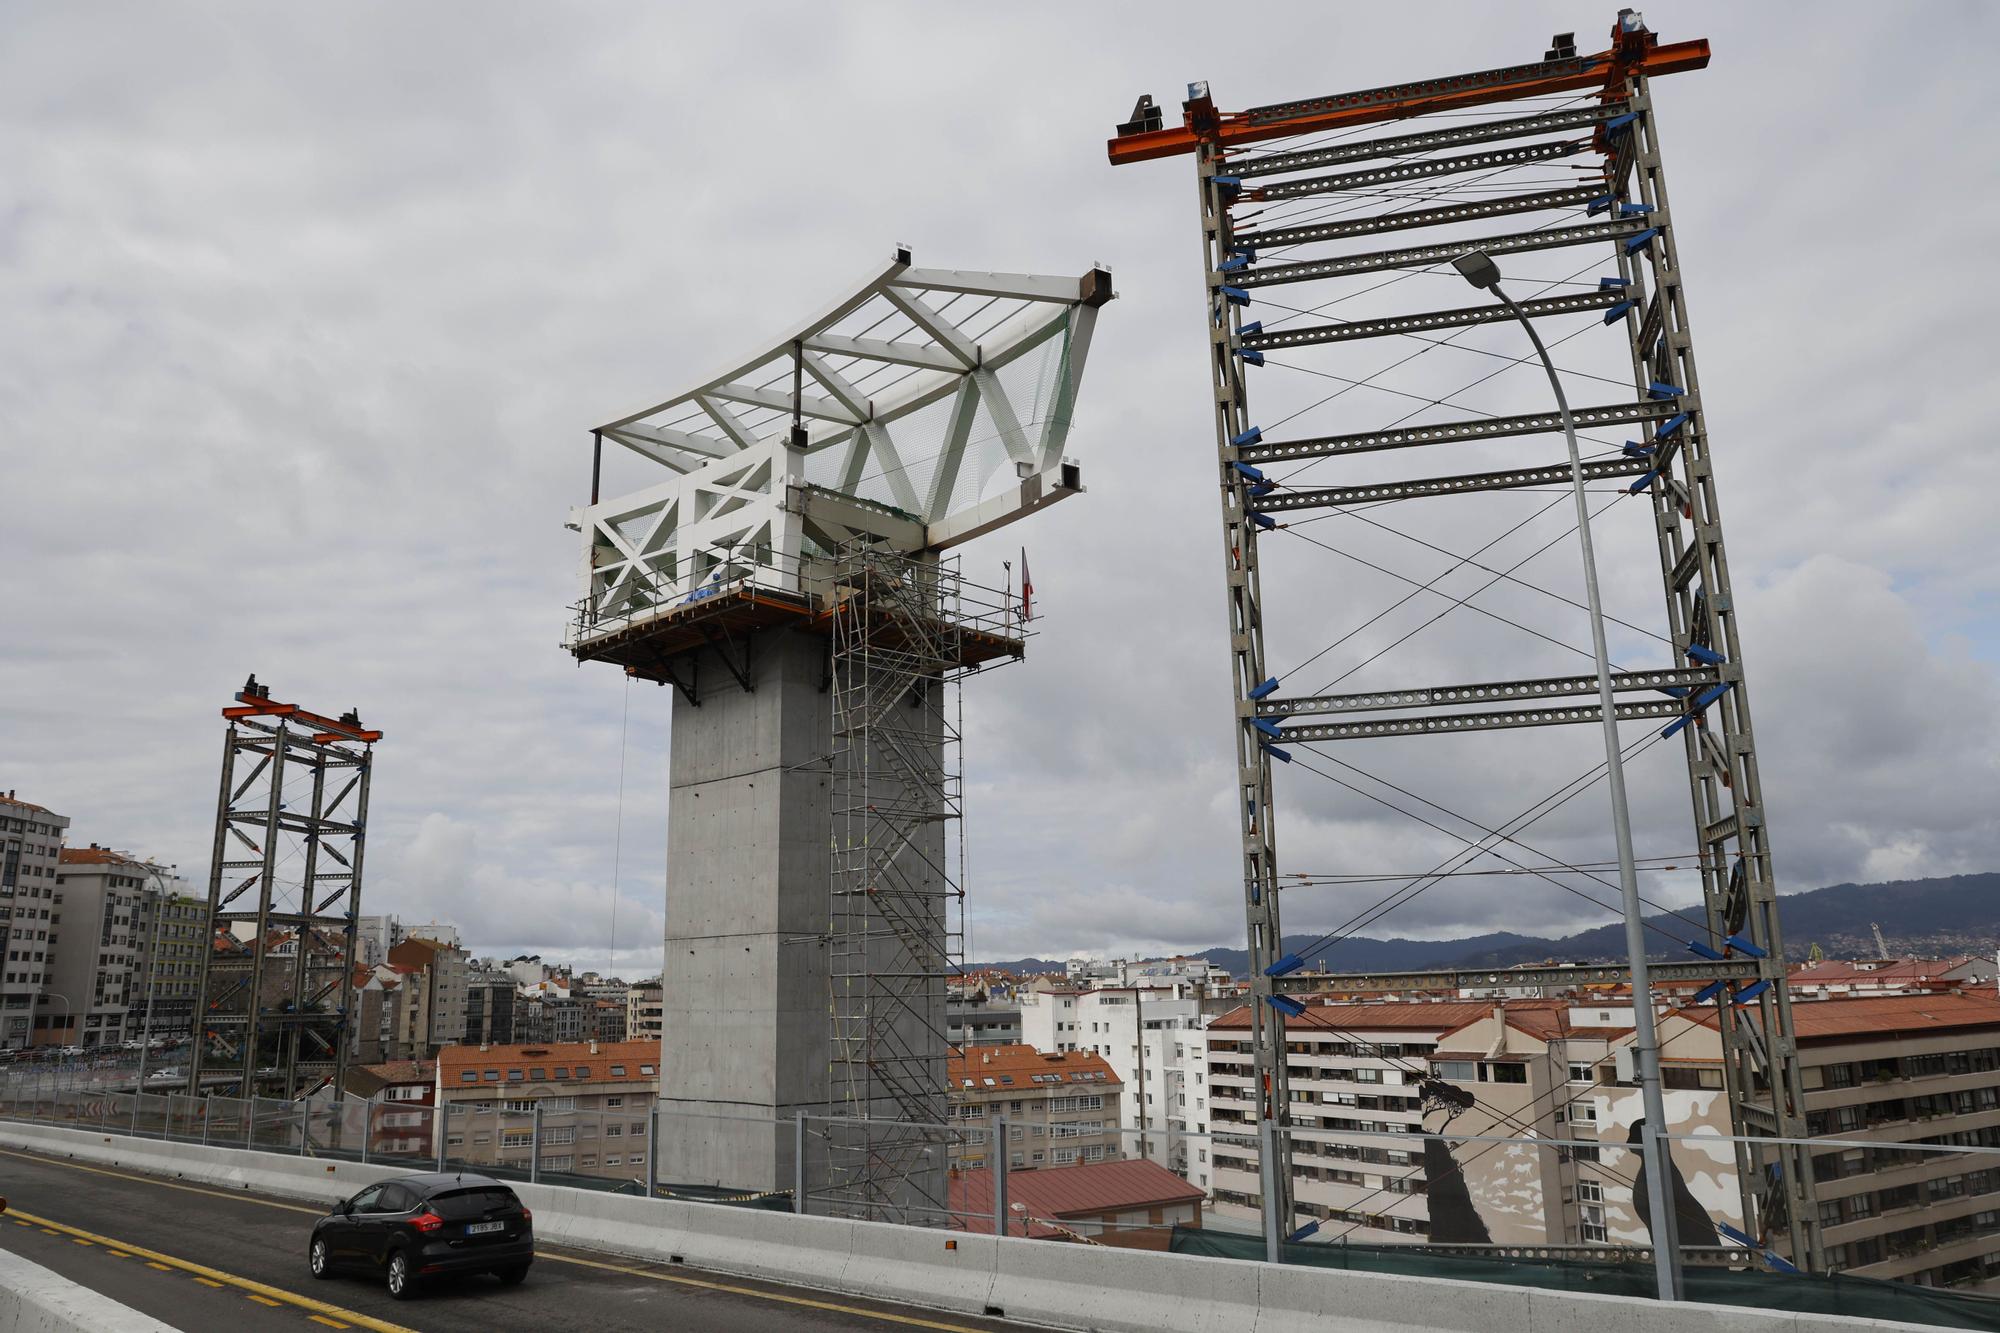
(1479, 269)
(165, 897)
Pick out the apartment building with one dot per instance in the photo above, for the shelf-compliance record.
(489, 1007)
(643, 1008)
(1832, 978)
(980, 1019)
(374, 936)
(1906, 1069)
(1351, 1067)
(1058, 1108)
(96, 951)
(172, 932)
(593, 1101)
(400, 1095)
(430, 1003)
(31, 838)
(1152, 1038)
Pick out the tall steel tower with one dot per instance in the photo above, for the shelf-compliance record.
(284, 891)
(1290, 201)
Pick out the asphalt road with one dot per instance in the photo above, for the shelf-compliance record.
(203, 1259)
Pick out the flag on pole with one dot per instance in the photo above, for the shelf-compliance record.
(1027, 589)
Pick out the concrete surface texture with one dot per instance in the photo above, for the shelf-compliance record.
(34, 1299)
(744, 991)
(1036, 1282)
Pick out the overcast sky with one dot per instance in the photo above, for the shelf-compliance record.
(308, 312)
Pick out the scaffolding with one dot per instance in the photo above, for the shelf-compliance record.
(1278, 183)
(284, 891)
(896, 921)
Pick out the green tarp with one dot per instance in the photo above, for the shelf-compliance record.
(1802, 1293)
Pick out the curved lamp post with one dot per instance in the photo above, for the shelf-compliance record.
(1479, 269)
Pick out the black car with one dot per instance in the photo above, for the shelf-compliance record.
(416, 1227)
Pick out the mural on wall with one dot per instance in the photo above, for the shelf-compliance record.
(1704, 1173)
(1483, 1193)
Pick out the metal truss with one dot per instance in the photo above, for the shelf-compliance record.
(284, 892)
(922, 409)
(896, 921)
(1622, 215)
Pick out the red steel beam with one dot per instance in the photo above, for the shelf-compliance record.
(1203, 124)
(330, 729)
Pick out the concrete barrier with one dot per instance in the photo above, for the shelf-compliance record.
(1098, 1288)
(34, 1299)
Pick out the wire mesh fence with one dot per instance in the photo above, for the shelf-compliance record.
(1913, 1227)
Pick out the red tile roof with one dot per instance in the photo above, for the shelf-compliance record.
(1414, 1016)
(7, 798)
(454, 1061)
(97, 856)
(969, 1065)
(1881, 1015)
(1837, 971)
(1070, 1193)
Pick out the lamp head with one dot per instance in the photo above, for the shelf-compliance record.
(1478, 269)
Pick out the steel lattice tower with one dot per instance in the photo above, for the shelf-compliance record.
(290, 827)
(1616, 208)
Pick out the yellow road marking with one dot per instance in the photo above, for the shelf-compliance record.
(215, 1277)
(322, 1319)
(263, 1300)
(47, 1231)
(79, 1240)
(118, 1254)
(829, 1306)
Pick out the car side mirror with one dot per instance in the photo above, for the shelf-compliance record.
(344, 1207)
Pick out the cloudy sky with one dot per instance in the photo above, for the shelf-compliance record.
(308, 312)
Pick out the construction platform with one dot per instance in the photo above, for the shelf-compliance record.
(653, 644)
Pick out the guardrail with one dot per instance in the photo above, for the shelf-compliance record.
(1055, 1285)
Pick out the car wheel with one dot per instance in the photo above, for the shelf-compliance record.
(402, 1282)
(317, 1256)
(513, 1276)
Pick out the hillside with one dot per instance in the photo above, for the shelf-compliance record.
(1929, 917)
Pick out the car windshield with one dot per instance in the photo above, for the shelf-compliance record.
(455, 1204)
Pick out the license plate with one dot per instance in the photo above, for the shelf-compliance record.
(481, 1228)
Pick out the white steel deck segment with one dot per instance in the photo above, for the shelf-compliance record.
(935, 405)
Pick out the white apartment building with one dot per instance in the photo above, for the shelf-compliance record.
(1352, 1067)
(1152, 1039)
(96, 952)
(31, 838)
(374, 936)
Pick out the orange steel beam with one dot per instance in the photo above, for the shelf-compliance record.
(1203, 124)
(330, 729)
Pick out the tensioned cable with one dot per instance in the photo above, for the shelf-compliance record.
(1473, 848)
(1465, 562)
(1456, 603)
(1314, 879)
(1460, 601)
(1368, 381)
(1439, 579)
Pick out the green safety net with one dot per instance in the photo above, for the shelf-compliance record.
(1802, 1293)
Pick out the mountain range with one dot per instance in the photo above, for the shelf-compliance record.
(1958, 914)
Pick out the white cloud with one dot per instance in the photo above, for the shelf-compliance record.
(309, 322)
